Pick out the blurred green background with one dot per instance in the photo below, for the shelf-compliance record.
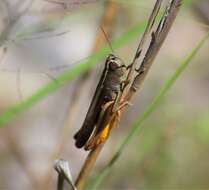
(172, 149)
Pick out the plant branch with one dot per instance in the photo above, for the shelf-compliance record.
(87, 167)
(144, 38)
(158, 38)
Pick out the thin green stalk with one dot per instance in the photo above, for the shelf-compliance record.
(137, 126)
(68, 75)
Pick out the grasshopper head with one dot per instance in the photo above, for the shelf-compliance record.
(115, 63)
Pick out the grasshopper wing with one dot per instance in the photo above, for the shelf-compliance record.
(82, 136)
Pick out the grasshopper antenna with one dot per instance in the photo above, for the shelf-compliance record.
(107, 39)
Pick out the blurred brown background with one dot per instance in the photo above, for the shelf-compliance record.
(172, 150)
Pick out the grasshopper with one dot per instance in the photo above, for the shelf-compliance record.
(104, 105)
(104, 110)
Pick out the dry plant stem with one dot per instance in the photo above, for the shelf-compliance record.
(158, 38)
(144, 38)
(106, 22)
(44, 37)
(87, 167)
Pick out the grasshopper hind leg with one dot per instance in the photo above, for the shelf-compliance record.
(82, 136)
(107, 121)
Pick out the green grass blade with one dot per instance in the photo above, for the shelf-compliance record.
(68, 75)
(138, 124)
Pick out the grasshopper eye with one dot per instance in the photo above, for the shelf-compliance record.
(111, 57)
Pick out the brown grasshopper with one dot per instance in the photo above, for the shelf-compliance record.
(104, 107)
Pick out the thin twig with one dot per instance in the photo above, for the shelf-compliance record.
(144, 37)
(158, 38)
(87, 167)
(43, 37)
(67, 4)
